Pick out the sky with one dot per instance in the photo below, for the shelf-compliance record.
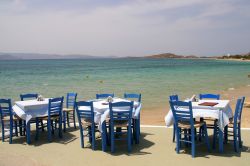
(125, 27)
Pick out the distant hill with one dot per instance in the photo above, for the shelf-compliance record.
(17, 56)
(7, 57)
(170, 55)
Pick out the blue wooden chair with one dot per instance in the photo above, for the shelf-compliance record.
(235, 125)
(120, 116)
(69, 111)
(9, 118)
(211, 122)
(209, 96)
(135, 122)
(54, 117)
(185, 125)
(104, 95)
(28, 96)
(174, 98)
(85, 114)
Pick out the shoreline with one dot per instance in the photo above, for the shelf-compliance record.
(238, 60)
(155, 116)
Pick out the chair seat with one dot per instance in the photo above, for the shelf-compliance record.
(7, 118)
(209, 119)
(86, 124)
(231, 123)
(187, 125)
(68, 109)
(121, 123)
(55, 117)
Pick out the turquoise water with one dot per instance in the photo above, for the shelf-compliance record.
(156, 79)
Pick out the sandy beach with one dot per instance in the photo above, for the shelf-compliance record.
(156, 148)
(156, 116)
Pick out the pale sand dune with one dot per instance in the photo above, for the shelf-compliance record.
(155, 148)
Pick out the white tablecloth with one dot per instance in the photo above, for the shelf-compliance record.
(31, 109)
(222, 111)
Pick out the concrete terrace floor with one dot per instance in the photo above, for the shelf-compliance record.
(155, 148)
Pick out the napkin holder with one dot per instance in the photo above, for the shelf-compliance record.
(40, 98)
(110, 99)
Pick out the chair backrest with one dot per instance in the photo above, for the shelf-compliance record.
(71, 100)
(133, 96)
(5, 108)
(174, 98)
(104, 95)
(210, 96)
(85, 111)
(55, 106)
(182, 112)
(238, 110)
(28, 96)
(121, 111)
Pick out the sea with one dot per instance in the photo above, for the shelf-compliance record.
(155, 79)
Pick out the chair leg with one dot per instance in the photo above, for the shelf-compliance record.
(89, 134)
(64, 121)
(239, 135)
(193, 142)
(3, 132)
(226, 134)
(104, 136)
(16, 130)
(74, 119)
(24, 127)
(82, 136)
(93, 136)
(112, 140)
(42, 126)
(129, 138)
(52, 126)
(177, 140)
(28, 132)
(37, 128)
(11, 132)
(49, 129)
(214, 136)
(174, 128)
(20, 127)
(236, 142)
(206, 138)
(60, 126)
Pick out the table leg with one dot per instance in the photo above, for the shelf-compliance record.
(104, 145)
(221, 135)
(28, 133)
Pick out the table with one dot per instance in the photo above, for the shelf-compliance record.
(102, 113)
(30, 109)
(222, 111)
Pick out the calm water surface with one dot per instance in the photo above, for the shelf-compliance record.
(156, 79)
